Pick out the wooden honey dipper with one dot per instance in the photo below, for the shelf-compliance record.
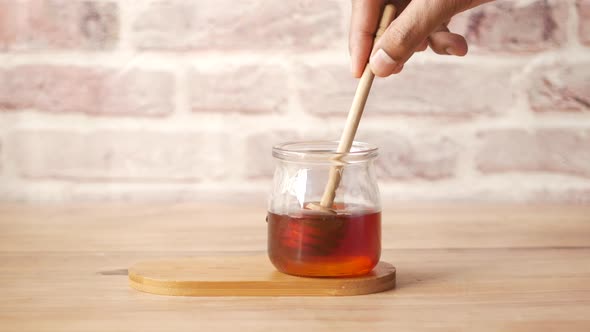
(352, 122)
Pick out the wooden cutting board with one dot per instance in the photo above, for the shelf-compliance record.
(246, 276)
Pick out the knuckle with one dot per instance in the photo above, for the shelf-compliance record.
(399, 41)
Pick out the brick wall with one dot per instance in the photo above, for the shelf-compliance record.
(181, 100)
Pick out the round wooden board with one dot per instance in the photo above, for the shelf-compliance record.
(246, 276)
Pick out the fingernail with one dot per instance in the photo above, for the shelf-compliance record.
(382, 63)
(451, 51)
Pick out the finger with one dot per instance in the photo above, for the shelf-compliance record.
(363, 24)
(448, 43)
(400, 5)
(406, 33)
(472, 4)
(442, 41)
(422, 47)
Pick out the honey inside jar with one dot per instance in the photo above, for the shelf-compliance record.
(317, 244)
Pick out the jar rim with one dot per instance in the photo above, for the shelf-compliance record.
(324, 151)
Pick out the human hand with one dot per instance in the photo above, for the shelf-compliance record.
(418, 24)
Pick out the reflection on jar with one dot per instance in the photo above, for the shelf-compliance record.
(306, 242)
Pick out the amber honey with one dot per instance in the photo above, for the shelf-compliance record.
(309, 243)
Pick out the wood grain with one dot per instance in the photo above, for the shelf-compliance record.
(484, 268)
(241, 275)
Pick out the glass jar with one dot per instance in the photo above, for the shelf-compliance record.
(341, 240)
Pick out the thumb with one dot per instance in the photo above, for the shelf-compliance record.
(407, 32)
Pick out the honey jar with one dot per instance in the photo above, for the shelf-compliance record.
(343, 239)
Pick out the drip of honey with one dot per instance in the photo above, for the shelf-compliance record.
(316, 244)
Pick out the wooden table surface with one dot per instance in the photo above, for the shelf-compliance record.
(487, 268)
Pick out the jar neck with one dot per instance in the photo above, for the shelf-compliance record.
(324, 152)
